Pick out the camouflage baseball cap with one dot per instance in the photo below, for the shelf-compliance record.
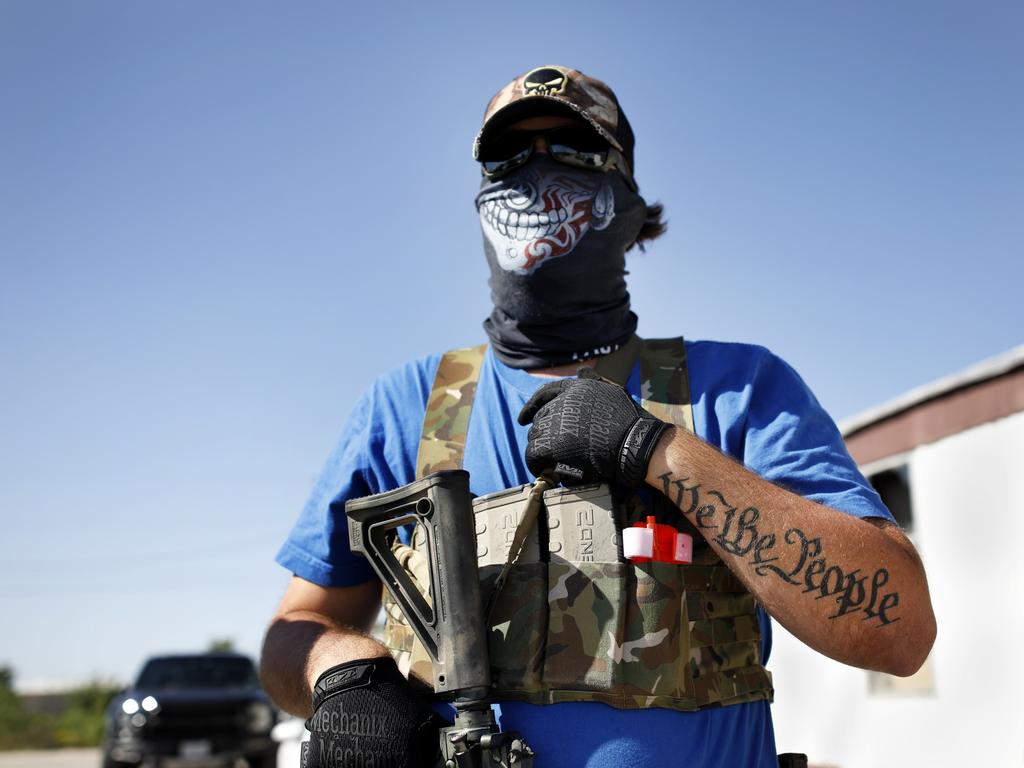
(557, 90)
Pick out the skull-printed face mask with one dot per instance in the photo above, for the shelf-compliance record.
(543, 214)
(555, 239)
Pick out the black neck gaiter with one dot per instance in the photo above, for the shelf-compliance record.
(555, 239)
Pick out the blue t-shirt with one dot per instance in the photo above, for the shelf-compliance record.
(746, 401)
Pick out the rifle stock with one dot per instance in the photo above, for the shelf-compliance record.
(449, 625)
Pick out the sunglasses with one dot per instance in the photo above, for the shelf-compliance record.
(575, 147)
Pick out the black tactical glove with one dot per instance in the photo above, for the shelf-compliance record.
(365, 713)
(589, 429)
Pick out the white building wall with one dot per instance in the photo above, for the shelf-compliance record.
(967, 493)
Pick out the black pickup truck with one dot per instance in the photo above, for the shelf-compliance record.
(196, 710)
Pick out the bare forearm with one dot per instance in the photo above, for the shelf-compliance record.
(303, 639)
(299, 647)
(850, 589)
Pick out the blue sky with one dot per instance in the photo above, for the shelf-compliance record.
(219, 221)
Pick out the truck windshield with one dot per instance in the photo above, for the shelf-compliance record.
(198, 672)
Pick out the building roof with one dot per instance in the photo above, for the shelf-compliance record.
(986, 370)
(983, 393)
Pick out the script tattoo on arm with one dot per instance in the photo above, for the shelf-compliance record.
(736, 531)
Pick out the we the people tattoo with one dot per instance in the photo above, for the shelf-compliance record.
(738, 534)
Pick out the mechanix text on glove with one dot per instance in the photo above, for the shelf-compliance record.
(366, 714)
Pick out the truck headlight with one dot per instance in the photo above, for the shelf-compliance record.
(131, 714)
(259, 717)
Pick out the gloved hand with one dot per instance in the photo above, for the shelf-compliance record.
(365, 713)
(589, 429)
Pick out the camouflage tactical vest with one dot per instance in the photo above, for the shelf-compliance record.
(574, 621)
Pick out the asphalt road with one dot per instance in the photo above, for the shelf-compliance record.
(288, 756)
(52, 758)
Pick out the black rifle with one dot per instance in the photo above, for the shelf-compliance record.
(451, 624)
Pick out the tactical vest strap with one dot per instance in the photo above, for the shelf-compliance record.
(413, 660)
(446, 421)
(664, 381)
(618, 366)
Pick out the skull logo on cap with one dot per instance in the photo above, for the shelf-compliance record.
(544, 82)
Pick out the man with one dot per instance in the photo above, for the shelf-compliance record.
(737, 452)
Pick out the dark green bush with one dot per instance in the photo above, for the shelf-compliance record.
(79, 723)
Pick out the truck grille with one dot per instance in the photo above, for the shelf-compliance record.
(199, 720)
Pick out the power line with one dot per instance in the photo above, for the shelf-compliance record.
(229, 549)
(131, 589)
